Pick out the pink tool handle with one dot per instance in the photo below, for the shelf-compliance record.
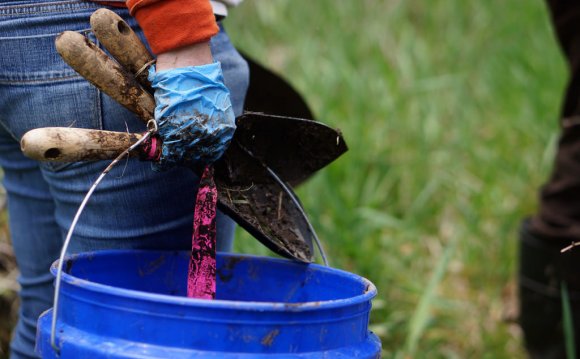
(201, 282)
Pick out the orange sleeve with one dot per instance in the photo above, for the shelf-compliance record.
(171, 24)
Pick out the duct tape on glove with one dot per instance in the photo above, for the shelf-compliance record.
(194, 114)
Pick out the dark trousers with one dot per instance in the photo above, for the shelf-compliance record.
(543, 268)
(559, 209)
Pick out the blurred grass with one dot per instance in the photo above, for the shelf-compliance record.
(450, 111)
(449, 108)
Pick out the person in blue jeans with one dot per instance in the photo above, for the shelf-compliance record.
(135, 207)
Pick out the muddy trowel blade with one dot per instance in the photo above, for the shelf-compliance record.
(268, 155)
(262, 206)
(294, 148)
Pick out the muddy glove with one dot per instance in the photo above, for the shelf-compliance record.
(194, 115)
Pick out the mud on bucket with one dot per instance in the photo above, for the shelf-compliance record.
(132, 304)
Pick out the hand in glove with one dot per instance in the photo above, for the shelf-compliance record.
(194, 114)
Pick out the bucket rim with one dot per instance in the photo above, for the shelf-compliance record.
(369, 293)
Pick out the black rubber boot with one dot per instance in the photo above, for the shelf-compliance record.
(542, 270)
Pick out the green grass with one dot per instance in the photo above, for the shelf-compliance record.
(450, 112)
(567, 322)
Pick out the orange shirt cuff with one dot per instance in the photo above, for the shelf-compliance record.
(171, 24)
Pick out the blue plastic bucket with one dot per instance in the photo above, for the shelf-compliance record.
(132, 304)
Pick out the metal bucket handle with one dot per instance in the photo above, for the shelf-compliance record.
(152, 126)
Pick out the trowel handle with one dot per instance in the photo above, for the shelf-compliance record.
(106, 74)
(122, 43)
(76, 144)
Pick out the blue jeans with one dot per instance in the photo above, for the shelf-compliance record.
(134, 207)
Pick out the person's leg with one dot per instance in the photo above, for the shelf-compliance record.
(559, 212)
(26, 71)
(134, 207)
(543, 268)
(35, 237)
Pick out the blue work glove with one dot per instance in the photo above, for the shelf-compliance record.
(194, 114)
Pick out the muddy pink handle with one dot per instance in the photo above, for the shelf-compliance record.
(201, 276)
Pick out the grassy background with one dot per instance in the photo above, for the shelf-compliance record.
(449, 108)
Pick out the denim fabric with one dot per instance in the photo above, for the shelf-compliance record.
(134, 207)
